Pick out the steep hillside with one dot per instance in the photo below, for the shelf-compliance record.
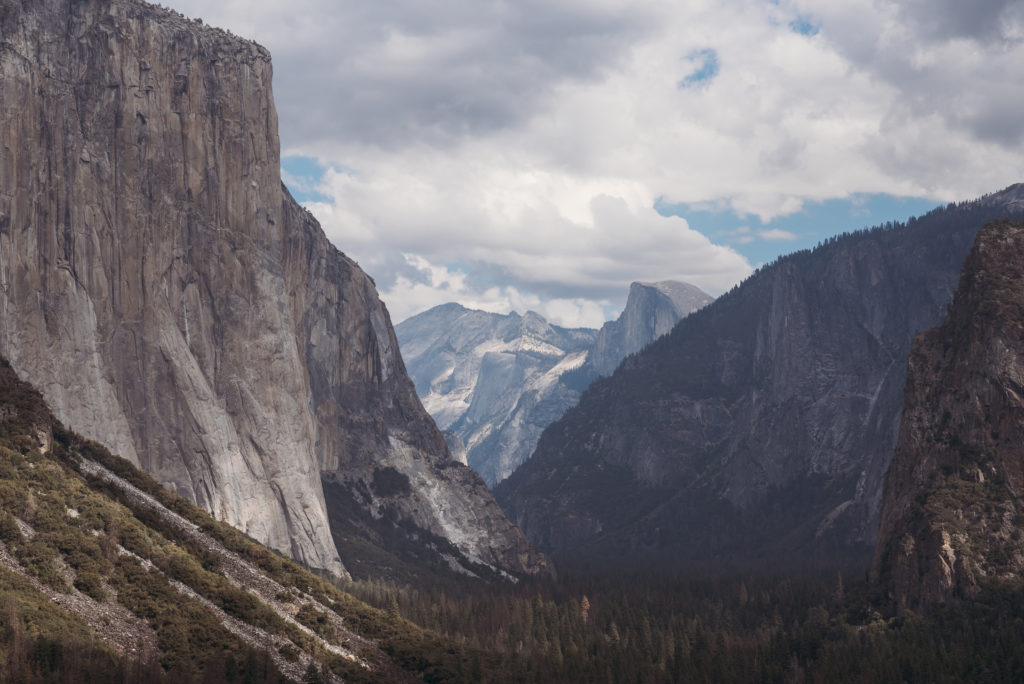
(497, 381)
(760, 428)
(105, 573)
(953, 510)
(172, 301)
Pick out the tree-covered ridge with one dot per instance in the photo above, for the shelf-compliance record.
(762, 425)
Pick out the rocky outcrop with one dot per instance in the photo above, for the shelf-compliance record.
(499, 380)
(761, 427)
(172, 301)
(456, 447)
(953, 507)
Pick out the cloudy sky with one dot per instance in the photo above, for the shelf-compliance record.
(543, 154)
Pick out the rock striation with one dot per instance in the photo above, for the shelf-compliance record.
(498, 380)
(953, 510)
(760, 428)
(173, 302)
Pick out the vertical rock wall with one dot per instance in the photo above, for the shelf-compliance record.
(164, 292)
(953, 507)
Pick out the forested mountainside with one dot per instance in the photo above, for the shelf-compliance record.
(498, 380)
(760, 429)
(953, 510)
(173, 302)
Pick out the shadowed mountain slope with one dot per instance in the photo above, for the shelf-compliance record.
(760, 428)
(953, 510)
(498, 380)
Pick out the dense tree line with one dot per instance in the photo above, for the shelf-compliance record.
(657, 628)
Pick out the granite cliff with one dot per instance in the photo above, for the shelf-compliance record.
(498, 380)
(172, 301)
(652, 310)
(760, 428)
(953, 507)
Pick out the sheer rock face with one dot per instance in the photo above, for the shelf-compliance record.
(760, 428)
(952, 511)
(171, 300)
(652, 310)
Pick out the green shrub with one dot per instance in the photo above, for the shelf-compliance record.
(38, 557)
(389, 482)
(90, 584)
(9, 530)
(288, 652)
(317, 621)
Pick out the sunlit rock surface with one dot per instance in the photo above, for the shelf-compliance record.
(171, 300)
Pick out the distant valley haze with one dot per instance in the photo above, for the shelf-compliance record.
(542, 156)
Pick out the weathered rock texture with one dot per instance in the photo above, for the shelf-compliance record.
(172, 301)
(953, 510)
(499, 380)
(761, 427)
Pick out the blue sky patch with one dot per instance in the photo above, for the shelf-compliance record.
(303, 176)
(761, 242)
(706, 67)
(804, 26)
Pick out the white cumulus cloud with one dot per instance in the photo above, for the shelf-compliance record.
(521, 147)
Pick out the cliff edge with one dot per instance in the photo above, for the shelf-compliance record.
(952, 510)
(173, 302)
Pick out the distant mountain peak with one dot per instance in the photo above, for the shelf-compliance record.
(684, 295)
(499, 380)
(652, 309)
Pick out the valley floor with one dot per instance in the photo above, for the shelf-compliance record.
(828, 627)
